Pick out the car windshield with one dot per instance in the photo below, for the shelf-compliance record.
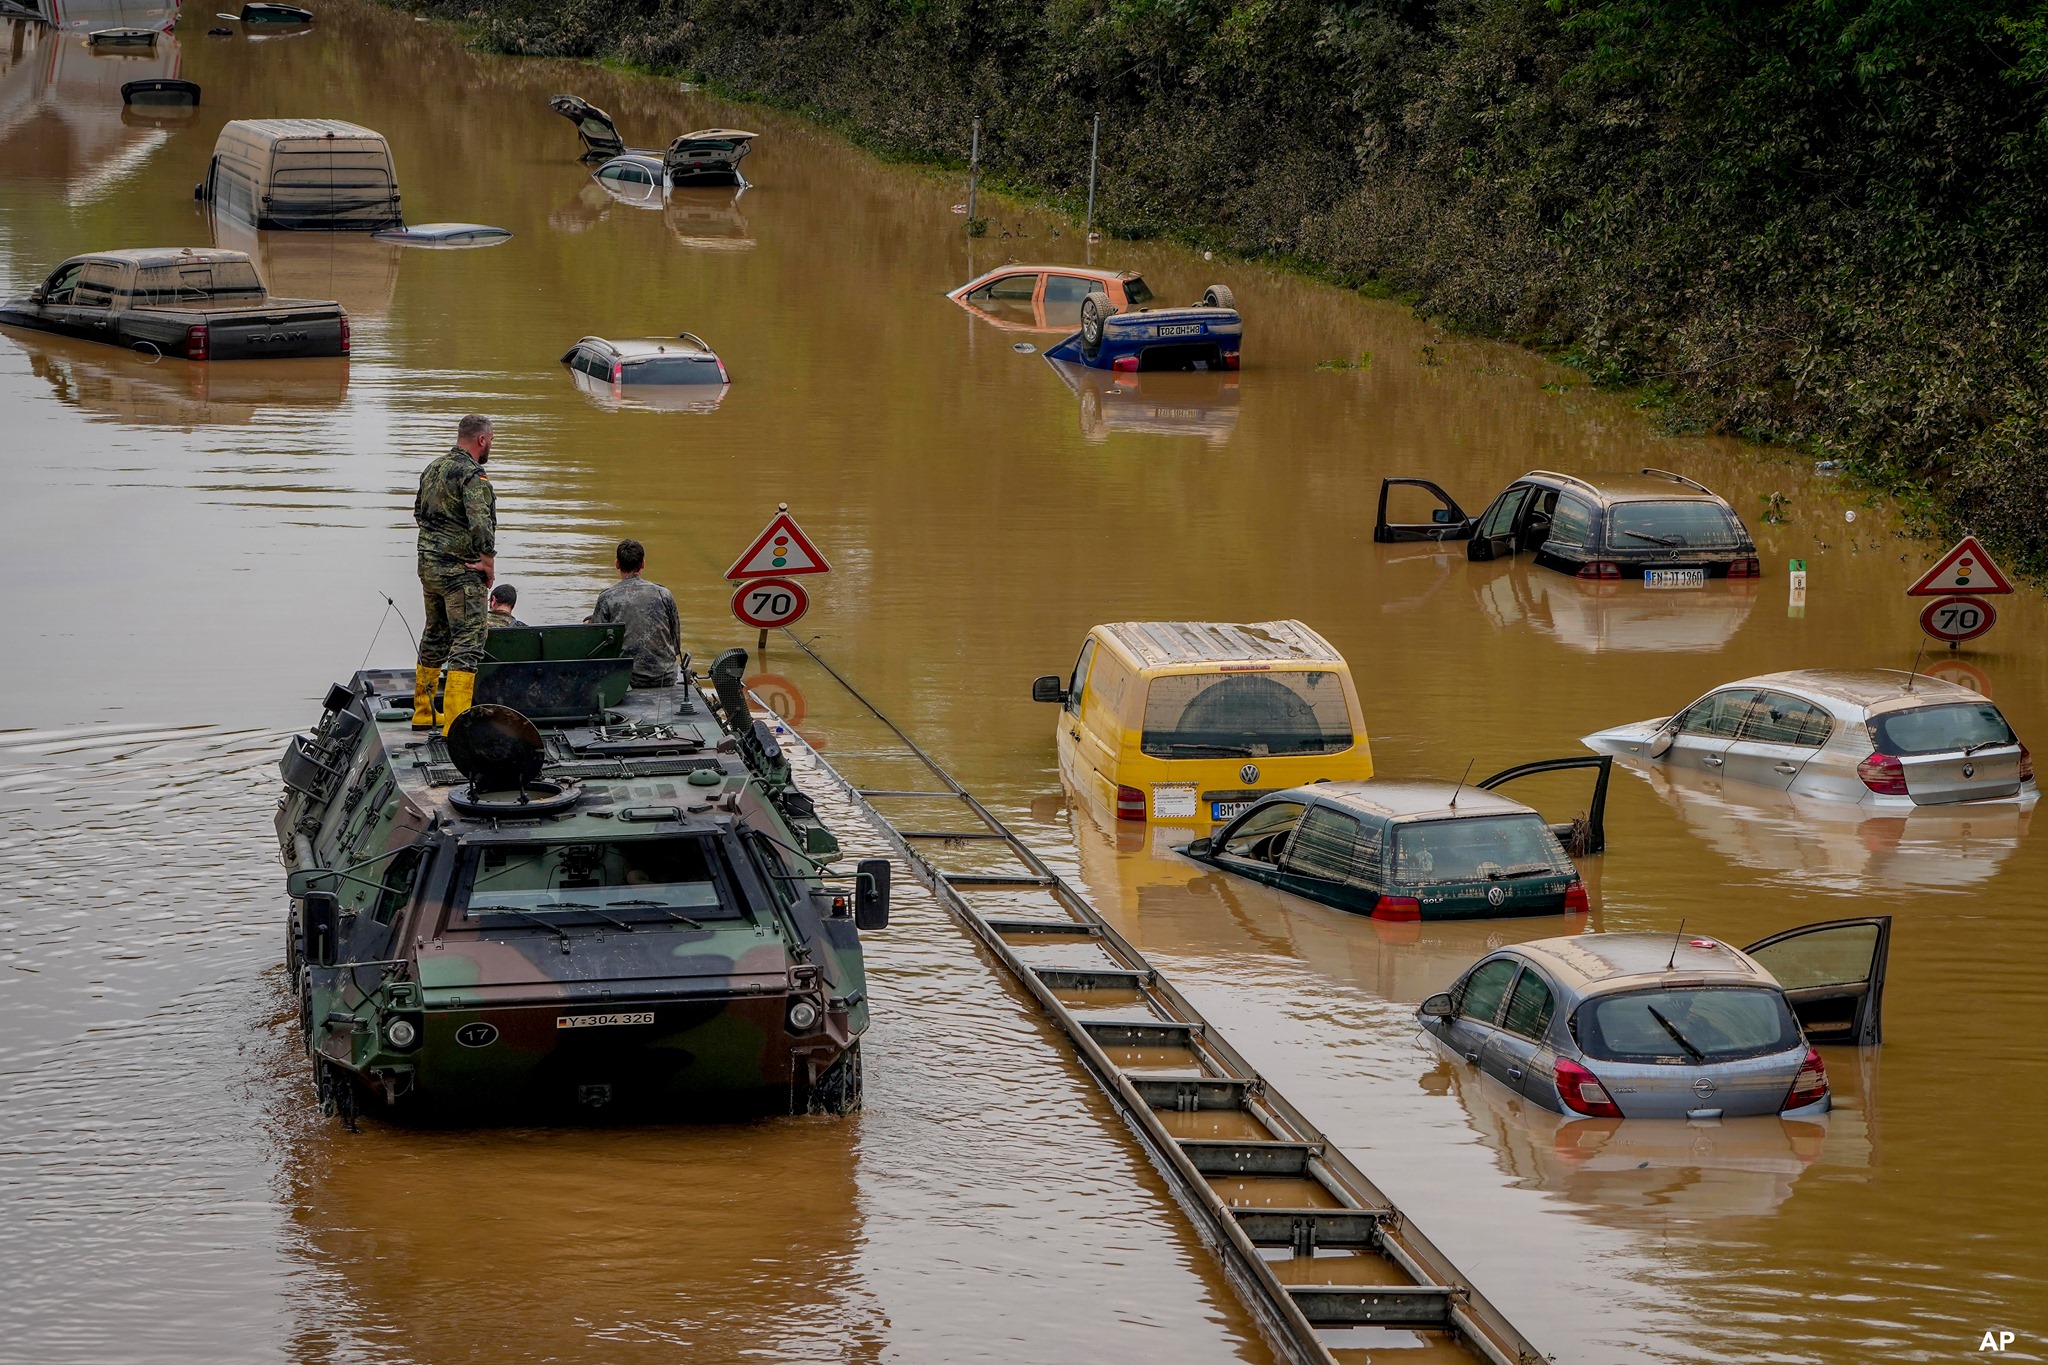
(1476, 849)
(677, 880)
(1249, 715)
(1136, 292)
(1941, 729)
(1679, 525)
(1687, 1025)
(672, 370)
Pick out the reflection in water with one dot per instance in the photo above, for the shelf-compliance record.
(700, 219)
(352, 268)
(1838, 846)
(61, 116)
(1160, 404)
(123, 386)
(1597, 616)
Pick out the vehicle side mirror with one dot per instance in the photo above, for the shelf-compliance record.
(1438, 1006)
(1200, 847)
(320, 927)
(871, 894)
(1049, 688)
(1442, 516)
(307, 880)
(1661, 742)
(39, 293)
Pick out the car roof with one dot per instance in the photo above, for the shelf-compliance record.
(1650, 485)
(1025, 268)
(1602, 963)
(1871, 688)
(166, 255)
(652, 159)
(643, 348)
(282, 128)
(721, 134)
(1166, 644)
(1408, 800)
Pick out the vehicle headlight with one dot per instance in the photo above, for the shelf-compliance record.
(401, 1032)
(803, 1016)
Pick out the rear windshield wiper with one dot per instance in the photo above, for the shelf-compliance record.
(1241, 750)
(1675, 541)
(568, 905)
(1969, 749)
(542, 921)
(665, 908)
(1518, 870)
(1672, 1029)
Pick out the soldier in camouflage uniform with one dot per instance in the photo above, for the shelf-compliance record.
(458, 550)
(654, 631)
(504, 598)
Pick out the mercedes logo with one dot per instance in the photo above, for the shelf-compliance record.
(1495, 895)
(1703, 1087)
(1249, 773)
(1969, 770)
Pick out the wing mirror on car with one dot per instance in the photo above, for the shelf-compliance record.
(1661, 742)
(1442, 516)
(871, 894)
(310, 879)
(1048, 688)
(319, 928)
(1438, 1006)
(1200, 847)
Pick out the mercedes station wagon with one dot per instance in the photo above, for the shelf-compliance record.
(1668, 1026)
(1406, 850)
(1876, 737)
(1659, 526)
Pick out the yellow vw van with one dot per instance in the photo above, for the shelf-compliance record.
(1188, 722)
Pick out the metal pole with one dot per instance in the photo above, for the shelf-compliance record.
(1094, 145)
(973, 174)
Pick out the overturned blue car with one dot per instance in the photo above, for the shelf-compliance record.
(1204, 336)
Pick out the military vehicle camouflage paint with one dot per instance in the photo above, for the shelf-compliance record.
(427, 991)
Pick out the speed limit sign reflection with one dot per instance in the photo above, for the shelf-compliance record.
(1956, 619)
(769, 602)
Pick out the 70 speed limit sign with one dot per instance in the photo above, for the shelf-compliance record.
(768, 602)
(1956, 619)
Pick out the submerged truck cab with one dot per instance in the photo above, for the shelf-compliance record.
(303, 174)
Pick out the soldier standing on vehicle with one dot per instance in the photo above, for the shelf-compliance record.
(654, 631)
(458, 548)
(504, 597)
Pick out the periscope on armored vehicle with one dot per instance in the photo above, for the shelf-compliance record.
(583, 902)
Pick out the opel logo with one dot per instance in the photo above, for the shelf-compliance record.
(1495, 895)
(1704, 1087)
(477, 1035)
(1248, 774)
(1969, 770)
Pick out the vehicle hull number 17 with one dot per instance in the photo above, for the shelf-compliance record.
(769, 602)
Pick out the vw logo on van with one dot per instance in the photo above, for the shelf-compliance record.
(1495, 895)
(1248, 774)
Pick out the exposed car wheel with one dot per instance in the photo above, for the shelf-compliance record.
(1095, 310)
(1219, 296)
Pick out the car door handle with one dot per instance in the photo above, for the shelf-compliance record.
(1514, 1073)
(1472, 1056)
(1786, 768)
(1711, 761)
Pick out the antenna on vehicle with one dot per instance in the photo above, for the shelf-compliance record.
(1916, 664)
(1672, 961)
(389, 607)
(1461, 781)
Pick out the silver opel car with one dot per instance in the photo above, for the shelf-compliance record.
(1876, 737)
(1668, 1026)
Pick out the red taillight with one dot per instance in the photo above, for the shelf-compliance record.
(1582, 1092)
(1397, 908)
(1130, 803)
(195, 342)
(344, 334)
(723, 377)
(1575, 901)
(1230, 360)
(1600, 568)
(2026, 765)
(1883, 774)
(1810, 1086)
(618, 372)
(1746, 568)
(1125, 364)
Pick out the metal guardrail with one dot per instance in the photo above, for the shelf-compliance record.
(1257, 1179)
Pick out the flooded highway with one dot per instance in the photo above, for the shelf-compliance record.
(195, 552)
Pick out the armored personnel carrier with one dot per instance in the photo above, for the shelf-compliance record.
(583, 901)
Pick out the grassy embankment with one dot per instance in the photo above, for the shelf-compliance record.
(1815, 221)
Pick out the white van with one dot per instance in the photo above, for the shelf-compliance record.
(308, 174)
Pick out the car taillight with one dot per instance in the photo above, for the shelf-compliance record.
(1397, 907)
(1599, 568)
(1575, 901)
(344, 334)
(1230, 360)
(1130, 803)
(2026, 765)
(1746, 568)
(618, 373)
(1582, 1092)
(723, 377)
(195, 342)
(1810, 1086)
(1883, 774)
(1125, 364)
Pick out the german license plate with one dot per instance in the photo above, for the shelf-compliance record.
(603, 1020)
(1180, 329)
(1228, 810)
(1674, 578)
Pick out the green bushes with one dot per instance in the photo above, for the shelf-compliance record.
(1818, 220)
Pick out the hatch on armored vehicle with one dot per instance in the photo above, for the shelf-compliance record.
(582, 902)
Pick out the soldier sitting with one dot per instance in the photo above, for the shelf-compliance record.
(654, 631)
(504, 597)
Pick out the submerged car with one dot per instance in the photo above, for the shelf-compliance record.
(1411, 850)
(1663, 527)
(1046, 298)
(652, 368)
(303, 175)
(1192, 721)
(1670, 1026)
(445, 236)
(1204, 336)
(706, 157)
(1877, 738)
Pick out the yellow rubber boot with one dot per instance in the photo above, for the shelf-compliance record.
(423, 680)
(455, 700)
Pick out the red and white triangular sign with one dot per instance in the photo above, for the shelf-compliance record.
(781, 551)
(1965, 571)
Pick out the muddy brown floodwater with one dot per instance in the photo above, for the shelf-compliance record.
(191, 554)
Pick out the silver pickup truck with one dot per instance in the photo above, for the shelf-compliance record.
(201, 304)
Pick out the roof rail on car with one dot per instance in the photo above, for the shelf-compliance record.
(1566, 478)
(1679, 478)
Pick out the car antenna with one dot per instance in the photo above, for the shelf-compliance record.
(1917, 655)
(1461, 782)
(1672, 961)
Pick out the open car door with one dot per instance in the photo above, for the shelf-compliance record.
(1587, 832)
(1447, 522)
(1833, 973)
(601, 140)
